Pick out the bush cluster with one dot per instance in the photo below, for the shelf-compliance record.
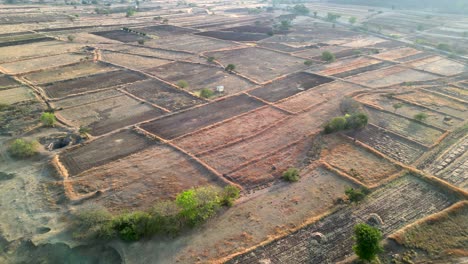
(353, 121)
(190, 208)
(291, 175)
(356, 195)
(48, 119)
(21, 148)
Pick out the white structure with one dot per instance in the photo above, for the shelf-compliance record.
(220, 89)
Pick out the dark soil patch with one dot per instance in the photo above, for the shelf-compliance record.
(6, 176)
(254, 29)
(390, 44)
(7, 81)
(234, 36)
(90, 83)
(104, 150)
(418, 56)
(182, 123)
(165, 30)
(162, 94)
(288, 86)
(120, 35)
(25, 41)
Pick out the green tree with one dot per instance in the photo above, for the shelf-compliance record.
(397, 106)
(356, 195)
(210, 59)
(21, 148)
(308, 62)
(367, 239)
(291, 175)
(130, 12)
(197, 205)
(229, 194)
(332, 17)
(420, 117)
(356, 121)
(328, 56)
(206, 93)
(301, 9)
(335, 125)
(230, 67)
(182, 84)
(48, 119)
(352, 20)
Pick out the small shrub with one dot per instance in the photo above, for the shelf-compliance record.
(291, 175)
(141, 41)
(230, 67)
(21, 148)
(132, 226)
(130, 12)
(71, 38)
(420, 117)
(182, 84)
(335, 125)
(445, 47)
(397, 106)
(352, 20)
(356, 195)
(301, 9)
(332, 17)
(210, 59)
(367, 239)
(308, 62)
(356, 121)
(48, 119)
(328, 56)
(206, 93)
(229, 195)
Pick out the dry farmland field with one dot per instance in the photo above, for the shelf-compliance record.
(257, 132)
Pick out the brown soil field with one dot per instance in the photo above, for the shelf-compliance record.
(347, 65)
(317, 52)
(233, 130)
(68, 72)
(162, 94)
(7, 82)
(283, 47)
(302, 101)
(397, 54)
(25, 66)
(200, 76)
(272, 167)
(250, 29)
(234, 36)
(131, 61)
(137, 181)
(257, 217)
(364, 42)
(15, 95)
(165, 30)
(20, 117)
(103, 150)
(179, 124)
(319, 34)
(152, 52)
(91, 83)
(191, 43)
(413, 130)
(418, 56)
(390, 76)
(120, 35)
(441, 237)
(109, 114)
(451, 91)
(357, 162)
(438, 102)
(390, 144)
(48, 48)
(401, 202)
(409, 110)
(84, 99)
(439, 65)
(259, 64)
(288, 86)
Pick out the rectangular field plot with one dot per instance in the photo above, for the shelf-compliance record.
(271, 167)
(397, 54)
(409, 110)
(109, 114)
(317, 52)
(38, 49)
(103, 150)
(231, 131)
(391, 76)
(438, 65)
(152, 52)
(137, 181)
(453, 91)
(200, 76)
(131, 61)
(182, 123)
(84, 99)
(234, 36)
(120, 35)
(91, 83)
(25, 66)
(7, 81)
(439, 102)
(387, 143)
(410, 129)
(15, 95)
(165, 30)
(163, 95)
(363, 42)
(68, 72)
(288, 86)
(190, 43)
(259, 64)
(348, 67)
(402, 202)
(357, 162)
(452, 164)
